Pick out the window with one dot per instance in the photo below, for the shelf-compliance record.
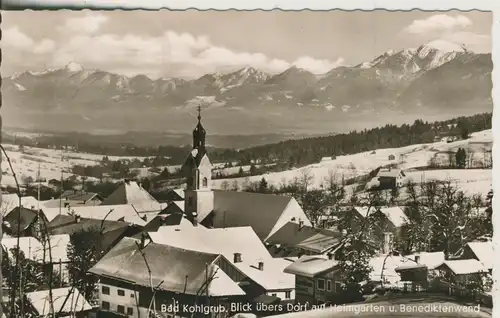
(132, 296)
(105, 305)
(120, 309)
(329, 285)
(274, 295)
(205, 182)
(130, 311)
(288, 295)
(121, 292)
(320, 284)
(105, 290)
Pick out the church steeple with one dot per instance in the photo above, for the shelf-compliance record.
(199, 134)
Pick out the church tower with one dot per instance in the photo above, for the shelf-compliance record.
(198, 196)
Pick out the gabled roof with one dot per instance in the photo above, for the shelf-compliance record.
(65, 300)
(484, 252)
(169, 265)
(11, 201)
(311, 266)
(464, 266)
(226, 241)
(33, 249)
(306, 237)
(390, 173)
(129, 192)
(80, 196)
(27, 218)
(124, 212)
(395, 215)
(260, 211)
(174, 207)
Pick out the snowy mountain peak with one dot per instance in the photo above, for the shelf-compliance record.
(73, 67)
(444, 46)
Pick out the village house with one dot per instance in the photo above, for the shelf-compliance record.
(317, 279)
(67, 302)
(80, 197)
(246, 259)
(481, 251)
(130, 192)
(31, 222)
(265, 213)
(390, 178)
(178, 276)
(110, 232)
(295, 240)
(37, 251)
(462, 272)
(11, 201)
(420, 270)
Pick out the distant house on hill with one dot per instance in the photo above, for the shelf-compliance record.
(390, 178)
(324, 159)
(392, 157)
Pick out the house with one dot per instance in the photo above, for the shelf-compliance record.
(265, 213)
(111, 232)
(135, 214)
(130, 192)
(294, 239)
(481, 251)
(67, 302)
(31, 222)
(325, 159)
(462, 271)
(36, 251)
(78, 198)
(392, 157)
(252, 265)
(388, 222)
(178, 277)
(317, 279)
(421, 269)
(11, 201)
(390, 178)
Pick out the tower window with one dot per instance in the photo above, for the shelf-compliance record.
(205, 182)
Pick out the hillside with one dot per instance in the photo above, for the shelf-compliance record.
(407, 158)
(427, 81)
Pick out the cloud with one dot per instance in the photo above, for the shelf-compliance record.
(90, 23)
(479, 43)
(438, 23)
(179, 54)
(14, 39)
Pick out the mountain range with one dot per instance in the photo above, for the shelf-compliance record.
(435, 79)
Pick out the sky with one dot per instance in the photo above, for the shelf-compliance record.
(189, 44)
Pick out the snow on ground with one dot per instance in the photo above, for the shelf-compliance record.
(26, 163)
(405, 157)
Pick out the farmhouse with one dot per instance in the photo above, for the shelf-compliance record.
(31, 222)
(265, 213)
(316, 279)
(481, 251)
(390, 178)
(462, 271)
(178, 276)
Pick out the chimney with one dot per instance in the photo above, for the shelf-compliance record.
(195, 218)
(331, 256)
(145, 218)
(77, 218)
(417, 259)
(237, 258)
(261, 266)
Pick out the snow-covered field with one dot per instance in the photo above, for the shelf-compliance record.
(406, 158)
(26, 163)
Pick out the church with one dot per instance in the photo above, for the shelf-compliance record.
(265, 213)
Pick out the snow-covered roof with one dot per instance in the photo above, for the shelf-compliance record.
(33, 249)
(129, 192)
(395, 215)
(70, 297)
(388, 265)
(484, 252)
(272, 277)
(389, 173)
(428, 260)
(226, 241)
(11, 201)
(465, 266)
(311, 265)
